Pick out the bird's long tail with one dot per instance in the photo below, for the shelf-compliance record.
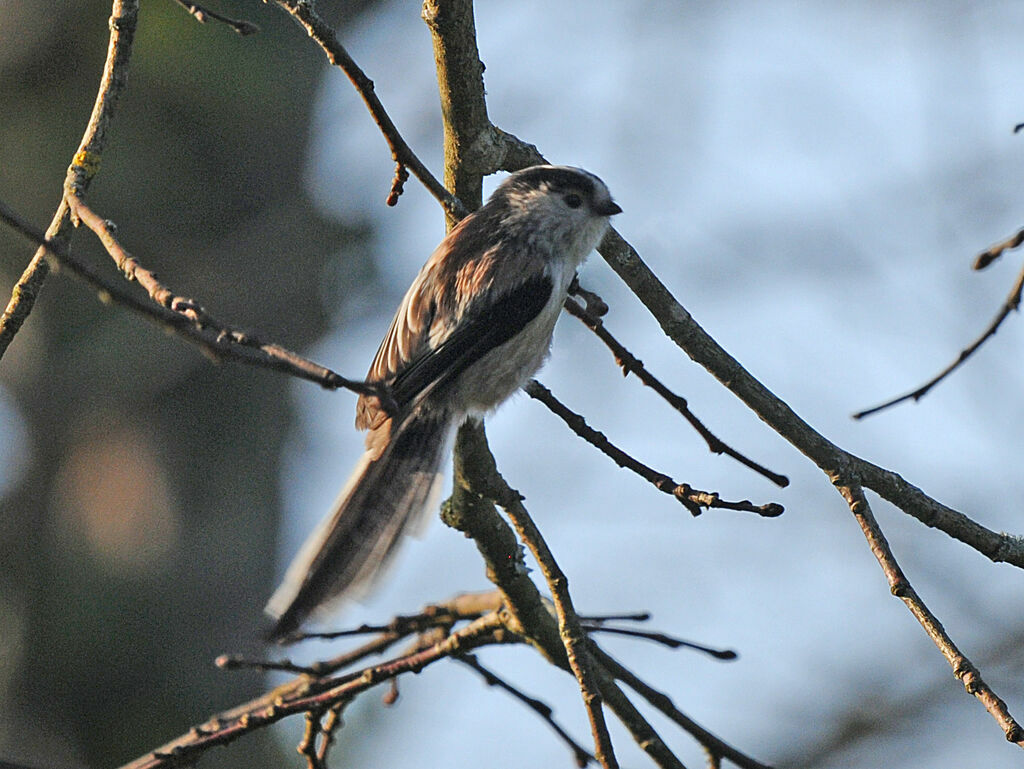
(382, 498)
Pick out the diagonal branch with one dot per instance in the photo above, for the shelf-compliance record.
(178, 314)
(682, 329)
(569, 627)
(1011, 304)
(83, 168)
(553, 629)
(900, 586)
(632, 365)
(321, 32)
(316, 695)
(582, 756)
(692, 499)
(663, 703)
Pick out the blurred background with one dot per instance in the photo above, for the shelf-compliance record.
(811, 180)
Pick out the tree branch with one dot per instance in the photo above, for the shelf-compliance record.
(835, 462)
(692, 499)
(180, 315)
(203, 15)
(582, 756)
(549, 628)
(83, 168)
(630, 364)
(323, 35)
(900, 586)
(1011, 304)
(663, 703)
(317, 695)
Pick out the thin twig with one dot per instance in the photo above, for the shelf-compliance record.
(598, 619)
(660, 638)
(900, 587)
(397, 184)
(183, 316)
(203, 15)
(308, 744)
(692, 499)
(316, 695)
(1012, 303)
(402, 625)
(639, 728)
(83, 168)
(581, 754)
(329, 725)
(237, 662)
(990, 254)
(663, 703)
(630, 364)
(321, 32)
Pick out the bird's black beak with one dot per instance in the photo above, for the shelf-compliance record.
(608, 208)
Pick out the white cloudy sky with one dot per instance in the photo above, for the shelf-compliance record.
(811, 180)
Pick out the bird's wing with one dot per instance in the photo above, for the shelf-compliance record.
(477, 333)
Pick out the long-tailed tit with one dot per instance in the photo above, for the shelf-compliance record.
(474, 326)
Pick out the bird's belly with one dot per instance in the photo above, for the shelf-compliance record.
(506, 368)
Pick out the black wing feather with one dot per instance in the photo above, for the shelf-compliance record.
(477, 334)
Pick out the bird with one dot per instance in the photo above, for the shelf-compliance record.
(474, 327)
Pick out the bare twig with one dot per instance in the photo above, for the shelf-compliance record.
(659, 638)
(581, 754)
(990, 254)
(598, 619)
(316, 695)
(237, 662)
(329, 725)
(569, 629)
(181, 315)
(469, 510)
(321, 32)
(692, 499)
(83, 168)
(900, 586)
(307, 747)
(639, 728)
(664, 704)
(203, 15)
(463, 607)
(397, 184)
(1012, 303)
(632, 365)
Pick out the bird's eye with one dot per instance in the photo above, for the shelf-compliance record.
(573, 200)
